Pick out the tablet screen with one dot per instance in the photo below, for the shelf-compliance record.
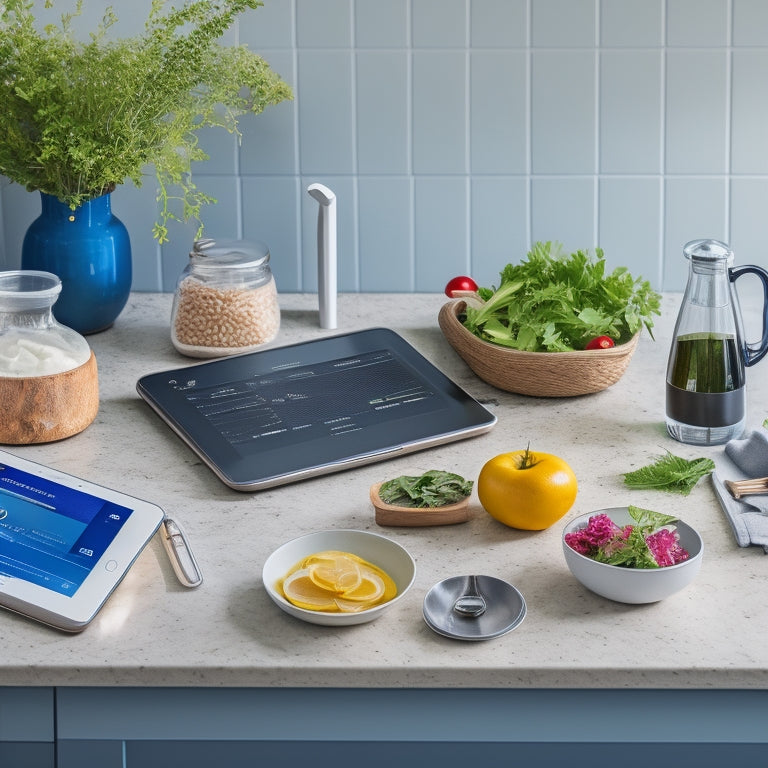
(329, 399)
(286, 413)
(52, 535)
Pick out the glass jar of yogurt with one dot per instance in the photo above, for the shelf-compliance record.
(226, 300)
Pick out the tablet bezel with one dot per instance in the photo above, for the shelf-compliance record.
(72, 613)
(461, 416)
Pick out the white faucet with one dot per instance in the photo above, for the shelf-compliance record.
(326, 253)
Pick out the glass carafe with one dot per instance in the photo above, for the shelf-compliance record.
(706, 398)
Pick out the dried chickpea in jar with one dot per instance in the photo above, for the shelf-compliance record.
(226, 300)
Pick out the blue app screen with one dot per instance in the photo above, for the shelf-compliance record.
(50, 534)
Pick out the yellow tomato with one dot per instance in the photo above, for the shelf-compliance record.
(527, 490)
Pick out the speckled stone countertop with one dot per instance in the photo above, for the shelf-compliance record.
(228, 633)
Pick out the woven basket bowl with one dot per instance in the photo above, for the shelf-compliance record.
(541, 374)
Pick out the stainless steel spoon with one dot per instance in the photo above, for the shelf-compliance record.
(471, 603)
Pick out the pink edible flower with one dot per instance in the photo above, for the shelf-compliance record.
(665, 547)
(599, 532)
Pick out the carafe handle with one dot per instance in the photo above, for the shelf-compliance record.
(753, 353)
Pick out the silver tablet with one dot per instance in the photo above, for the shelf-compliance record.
(65, 543)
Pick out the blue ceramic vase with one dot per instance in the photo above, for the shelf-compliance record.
(90, 251)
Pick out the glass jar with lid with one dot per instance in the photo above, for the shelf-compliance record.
(48, 377)
(226, 300)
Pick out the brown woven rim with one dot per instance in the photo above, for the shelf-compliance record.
(540, 374)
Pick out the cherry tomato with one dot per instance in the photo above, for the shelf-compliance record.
(460, 283)
(600, 342)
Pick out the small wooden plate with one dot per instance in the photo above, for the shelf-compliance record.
(391, 514)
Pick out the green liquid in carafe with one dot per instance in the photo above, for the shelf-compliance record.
(706, 362)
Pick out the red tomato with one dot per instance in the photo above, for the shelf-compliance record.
(600, 342)
(460, 283)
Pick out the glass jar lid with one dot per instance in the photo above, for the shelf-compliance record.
(28, 289)
(227, 253)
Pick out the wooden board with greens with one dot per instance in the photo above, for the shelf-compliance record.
(553, 302)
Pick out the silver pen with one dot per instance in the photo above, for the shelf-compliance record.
(180, 554)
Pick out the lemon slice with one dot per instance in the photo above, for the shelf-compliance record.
(369, 590)
(300, 590)
(336, 572)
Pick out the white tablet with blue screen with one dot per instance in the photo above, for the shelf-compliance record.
(287, 413)
(65, 543)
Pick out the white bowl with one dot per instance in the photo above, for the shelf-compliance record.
(376, 549)
(633, 585)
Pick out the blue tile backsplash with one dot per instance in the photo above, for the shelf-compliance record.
(457, 132)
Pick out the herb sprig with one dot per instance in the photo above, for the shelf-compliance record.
(432, 489)
(670, 473)
(556, 303)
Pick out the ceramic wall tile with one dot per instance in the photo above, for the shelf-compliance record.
(628, 229)
(749, 115)
(632, 23)
(749, 224)
(439, 112)
(696, 111)
(498, 108)
(382, 25)
(272, 25)
(498, 23)
(383, 112)
(563, 120)
(326, 135)
(441, 232)
(324, 24)
(563, 210)
(631, 108)
(385, 205)
(439, 23)
(750, 20)
(693, 208)
(697, 23)
(563, 23)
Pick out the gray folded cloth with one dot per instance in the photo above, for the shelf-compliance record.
(745, 459)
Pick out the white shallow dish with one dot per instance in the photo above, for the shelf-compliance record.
(633, 585)
(379, 550)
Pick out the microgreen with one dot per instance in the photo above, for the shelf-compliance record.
(555, 302)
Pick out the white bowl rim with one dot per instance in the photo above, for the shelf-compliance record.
(575, 525)
(273, 593)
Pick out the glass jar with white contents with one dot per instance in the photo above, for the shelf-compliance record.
(32, 342)
(225, 301)
(49, 383)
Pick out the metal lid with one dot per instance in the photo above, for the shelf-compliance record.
(230, 253)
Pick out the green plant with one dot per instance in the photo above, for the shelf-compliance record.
(80, 117)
